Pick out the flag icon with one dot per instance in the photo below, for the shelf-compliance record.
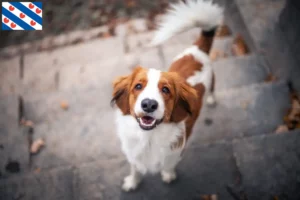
(22, 16)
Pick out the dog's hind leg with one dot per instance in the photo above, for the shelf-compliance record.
(211, 99)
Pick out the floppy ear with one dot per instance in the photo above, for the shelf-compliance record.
(120, 95)
(185, 102)
(121, 87)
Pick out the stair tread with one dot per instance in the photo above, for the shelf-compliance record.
(243, 112)
(219, 165)
(239, 71)
(13, 139)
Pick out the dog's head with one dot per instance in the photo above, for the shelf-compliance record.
(153, 97)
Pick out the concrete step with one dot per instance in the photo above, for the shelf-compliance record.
(247, 111)
(89, 121)
(274, 17)
(232, 18)
(270, 165)
(172, 48)
(14, 146)
(204, 170)
(10, 76)
(241, 165)
(239, 71)
(92, 88)
(222, 48)
(55, 184)
(42, 70)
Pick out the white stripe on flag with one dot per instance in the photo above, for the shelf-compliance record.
(26, 19)
(26, 4)
(8, 24)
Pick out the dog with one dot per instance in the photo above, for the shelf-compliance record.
(155, 110)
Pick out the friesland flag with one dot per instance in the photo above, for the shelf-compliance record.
(22, 16)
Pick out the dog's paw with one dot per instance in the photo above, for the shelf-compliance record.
(168, 177)
(130, 183)
(211, 101)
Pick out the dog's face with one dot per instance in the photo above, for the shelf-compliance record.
(153, 97)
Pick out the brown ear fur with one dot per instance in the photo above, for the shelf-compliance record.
(185, 102)
(121, 89)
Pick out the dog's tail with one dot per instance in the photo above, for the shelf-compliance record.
(184, 16)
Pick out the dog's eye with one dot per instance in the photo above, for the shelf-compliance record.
(165, 90)
(138, 86)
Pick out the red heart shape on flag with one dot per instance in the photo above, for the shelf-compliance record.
(6, 20)
(11, 8)
(31, 6)
(22, 15)
(32, 23)
(38, 11)
(13, 25)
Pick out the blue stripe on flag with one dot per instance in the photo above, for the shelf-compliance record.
(16, 20)
(5, 28)
(38, 4)
(27, 12)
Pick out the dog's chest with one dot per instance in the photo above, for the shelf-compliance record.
(150, 151)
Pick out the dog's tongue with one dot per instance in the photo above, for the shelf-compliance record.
(147, 119)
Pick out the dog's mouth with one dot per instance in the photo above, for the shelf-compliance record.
(148, 122)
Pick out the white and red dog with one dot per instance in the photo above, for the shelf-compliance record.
(156, 110)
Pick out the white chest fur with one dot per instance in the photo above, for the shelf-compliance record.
(149, 151)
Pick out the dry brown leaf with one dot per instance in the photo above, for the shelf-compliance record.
(205, 197)
(37, 170)
(270, 78)
(245, 104)
(36, 146)
(282, 129)
(130, 3)
(26, 123)
(276, 198)
(239, 47)
(64, 105)
(292, 118)
(29, 123)
(209, 197)
(214, 197)
(216, 54)
(223, 31)
(106, 35)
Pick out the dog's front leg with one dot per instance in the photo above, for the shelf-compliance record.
(132, 181)
(168, 172)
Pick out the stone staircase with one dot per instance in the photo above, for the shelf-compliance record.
(234, 152)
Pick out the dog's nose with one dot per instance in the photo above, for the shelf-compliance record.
(149, 105)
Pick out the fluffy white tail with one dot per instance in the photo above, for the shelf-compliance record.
(183, 16)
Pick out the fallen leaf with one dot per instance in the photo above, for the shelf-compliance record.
(245, 104)
(130, 3)
(281, 129)
(37, 170)
(223, 31)
(205, 197)
(26, 123)
(209, 197)
(106, 35)
(270, 78)
(276, 198)
(216, 54)
(64, 105)
(36, 146)
(214, 197)
(292, 118)
(239, 47)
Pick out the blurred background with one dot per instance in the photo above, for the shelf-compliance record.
(57, 132)
(61, 16)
